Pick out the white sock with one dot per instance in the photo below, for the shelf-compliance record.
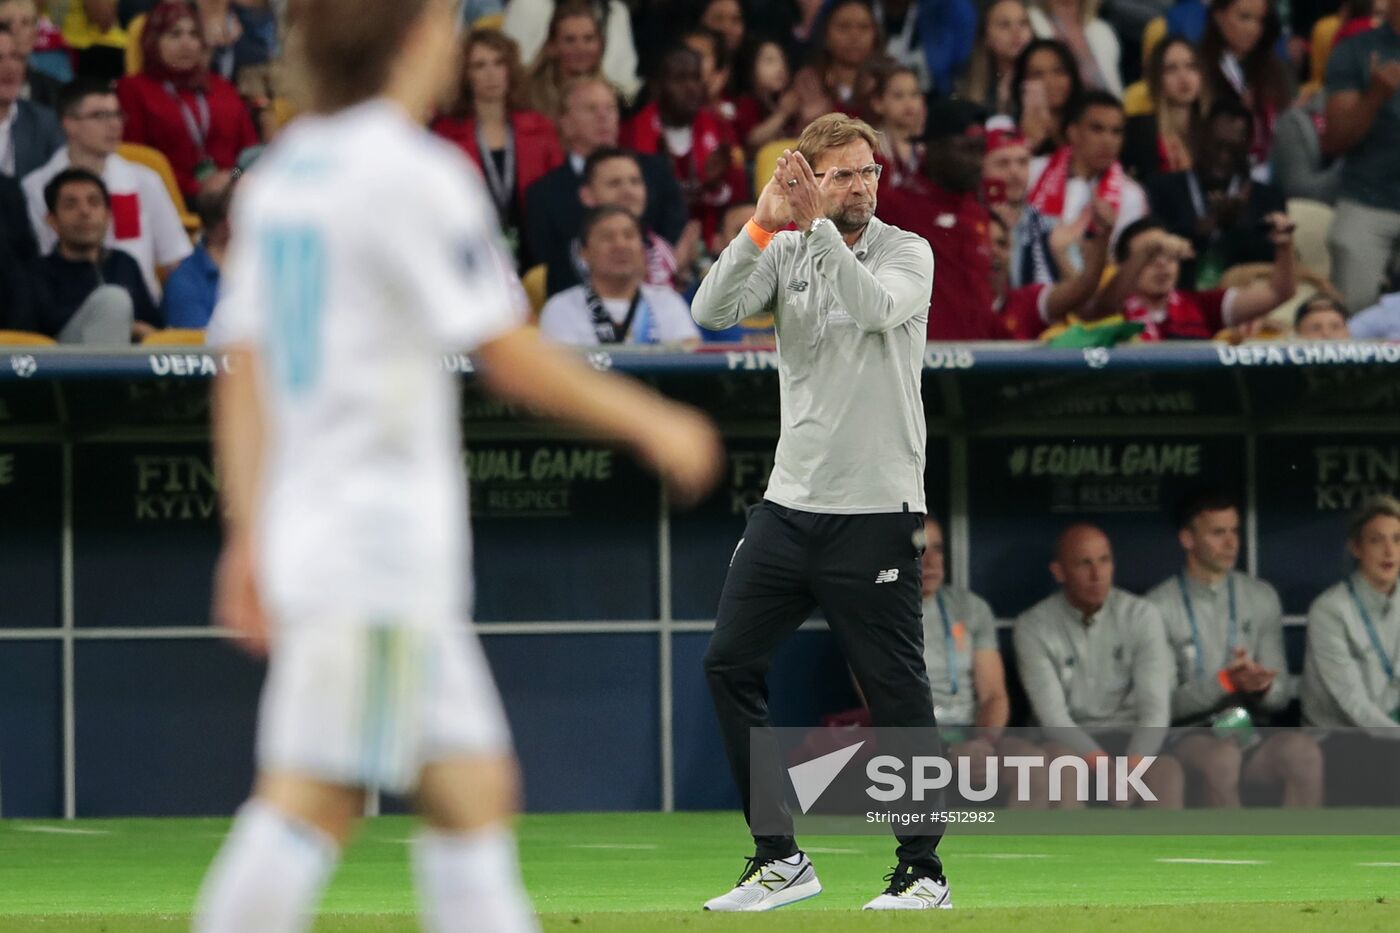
(268, 876)
(471, 881)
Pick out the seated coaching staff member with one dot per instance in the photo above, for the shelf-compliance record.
(1096, 666)
(849, 296)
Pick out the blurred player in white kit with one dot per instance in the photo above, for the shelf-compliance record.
(364, 250)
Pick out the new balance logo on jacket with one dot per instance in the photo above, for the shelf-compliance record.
(887, 576)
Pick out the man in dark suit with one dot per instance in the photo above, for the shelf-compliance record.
(553, 211)
(22, 18)
(29, 132)
(18, 251)
(1216, 206)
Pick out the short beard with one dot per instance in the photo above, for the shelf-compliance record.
(847, 221)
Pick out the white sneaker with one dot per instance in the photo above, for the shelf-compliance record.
(767, 884)
(908, 892)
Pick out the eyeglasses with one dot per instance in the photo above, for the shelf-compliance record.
(101, 115)
(845, 177)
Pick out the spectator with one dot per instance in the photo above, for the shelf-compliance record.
(898, 113)
(1027, 311)
(1239, 62)
(553, 210)
(1090, 40)
(614, 305)
(1044, 87)
(1363, 124)
(1349, 676)
(1161, 141)
(97, 37)
(175, 105)
(934, 37)
(726, 18)
(966, 673)
(1149, 265)
(145, 222)
(1062, 185)
(29, 133)
(90, 294)
(51, 54)
(1321, 318)
(18, 253)
(574, 51)
(535, 26)
(757, 329)
(512, 146)
(22, 17)
(1003, 33)
(716, 69)
(1217, 206)
(192, 291)
(839, 77)
(941, 205)
(1301, 169)
(1096, 667)
(222, 31)
(700, 145)
(1225, 629)
(1359, 16)
(766, 109)
(1380, 321)
(1006, 176)
(613, 178)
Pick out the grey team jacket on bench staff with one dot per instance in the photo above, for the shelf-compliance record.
(1116, 671)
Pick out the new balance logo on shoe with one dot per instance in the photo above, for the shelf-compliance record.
(887, 576)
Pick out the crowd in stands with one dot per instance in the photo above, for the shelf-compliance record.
(1145, 171)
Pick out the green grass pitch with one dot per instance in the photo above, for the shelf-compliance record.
(641, 872)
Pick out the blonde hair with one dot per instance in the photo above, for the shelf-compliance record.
(831, 131)
(1371, 509)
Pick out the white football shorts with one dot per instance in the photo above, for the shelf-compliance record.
(370, 705)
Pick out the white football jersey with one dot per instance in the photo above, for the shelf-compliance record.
(364, 249)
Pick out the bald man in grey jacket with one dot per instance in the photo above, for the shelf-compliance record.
(1096, 667)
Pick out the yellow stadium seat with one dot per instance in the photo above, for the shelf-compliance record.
(492, 21)
(1155, 32)
(1137, 100)
(155, 160)
(1320, 46)
(23, 338)
(134, 60)
(536, 286)
(175, 337)
(1324, 35)
(766, 162)
(283, 112)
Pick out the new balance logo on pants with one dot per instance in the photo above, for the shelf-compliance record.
(887, 576)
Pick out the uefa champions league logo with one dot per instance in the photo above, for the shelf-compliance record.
(1096, 357)
(600, 361)
(24, 366)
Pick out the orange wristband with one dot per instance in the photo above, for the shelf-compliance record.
(1226, 681)
(761, 238)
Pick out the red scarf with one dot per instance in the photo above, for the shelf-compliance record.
(1048, 196)
(1179, 323)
